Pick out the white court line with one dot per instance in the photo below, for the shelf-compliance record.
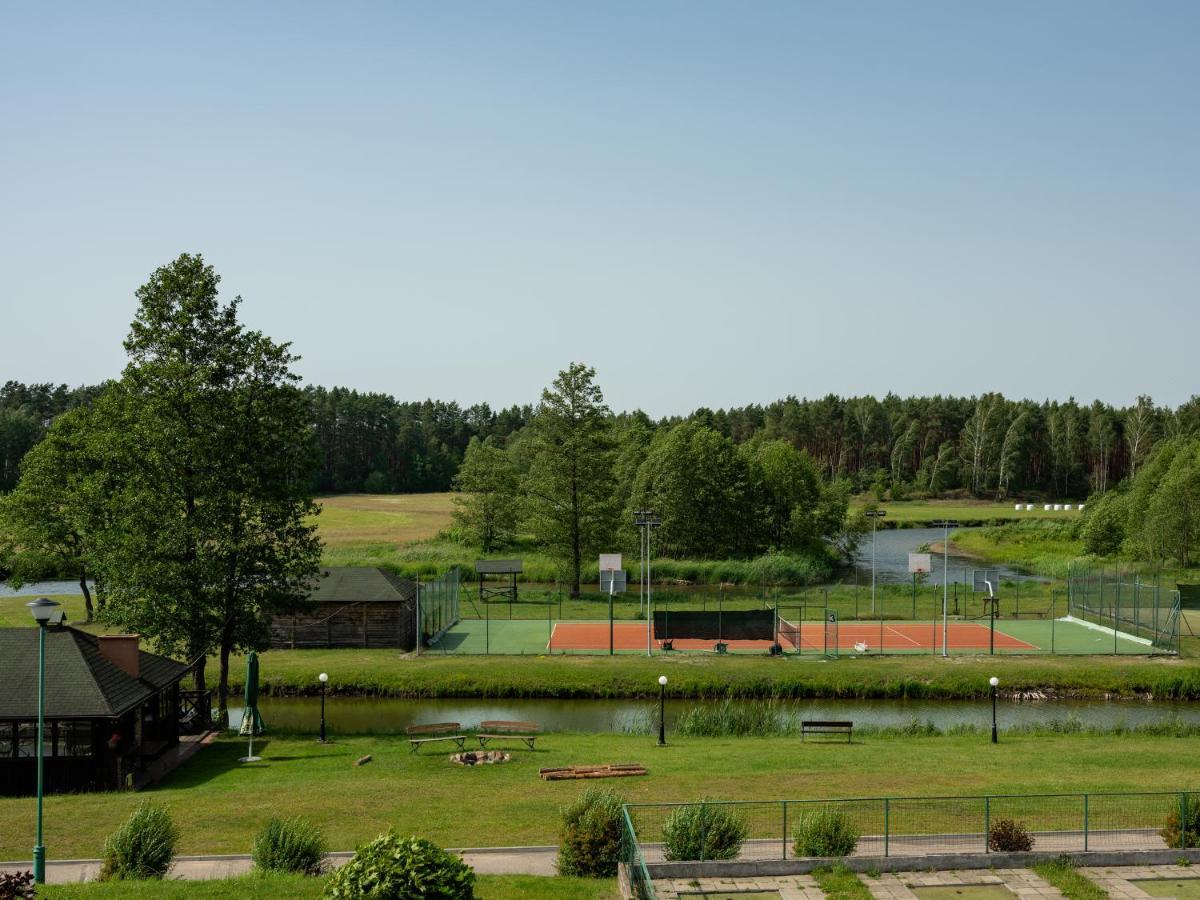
(910, 640)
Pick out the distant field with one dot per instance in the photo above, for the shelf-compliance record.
(350, 520)
(914, 511)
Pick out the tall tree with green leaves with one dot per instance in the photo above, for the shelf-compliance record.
(209, 436)
(486, 509)
(570, 487)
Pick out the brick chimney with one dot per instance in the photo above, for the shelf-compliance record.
(122, 651)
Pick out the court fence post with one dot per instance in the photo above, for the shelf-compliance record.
(1053, 619)
(487, 628)
(887, 825)
(785, 834)
(987, 824)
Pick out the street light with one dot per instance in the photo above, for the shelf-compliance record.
(44, 611)
(324, 679)
(994, 682)
(662, 710)
(945, 525)
(874, 515)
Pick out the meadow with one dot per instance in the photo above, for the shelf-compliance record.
(220, 803)
(922, 513)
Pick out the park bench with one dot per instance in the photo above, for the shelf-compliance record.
(438, 731)
(821, 727)
(496, 729)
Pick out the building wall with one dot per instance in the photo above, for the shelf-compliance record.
(374, 624)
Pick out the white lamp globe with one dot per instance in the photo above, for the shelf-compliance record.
(993, 681)
(662, 679)
(322, 678)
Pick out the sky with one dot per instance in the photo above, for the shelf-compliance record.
(713, 204)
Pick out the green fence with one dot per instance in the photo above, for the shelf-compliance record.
(910, 826)
(438, 602)
(1126, 603)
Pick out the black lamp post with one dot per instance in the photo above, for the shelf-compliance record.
(324, 679)
(44, 612)
(662, 710)
(994, 682)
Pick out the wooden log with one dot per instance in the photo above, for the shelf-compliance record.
(570, 773)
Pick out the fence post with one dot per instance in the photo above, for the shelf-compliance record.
(987, 824)
(886, 825)
(703, 830)
(1183, 821)
(1085, 823)
(785, 835)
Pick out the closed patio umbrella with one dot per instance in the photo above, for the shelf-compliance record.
(252, 722)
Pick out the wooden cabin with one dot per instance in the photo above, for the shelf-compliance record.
(111, 709)
(352, 607)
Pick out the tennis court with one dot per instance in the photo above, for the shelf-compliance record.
(806, 638)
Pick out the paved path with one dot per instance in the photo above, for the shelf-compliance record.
(484, 860)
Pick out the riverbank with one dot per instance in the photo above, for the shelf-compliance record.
(386, 673)
(220, 803)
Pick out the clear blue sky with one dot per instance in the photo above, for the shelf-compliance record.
(713, 204)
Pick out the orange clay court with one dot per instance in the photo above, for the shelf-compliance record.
(814, 636)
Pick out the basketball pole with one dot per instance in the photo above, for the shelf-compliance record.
(611, 579)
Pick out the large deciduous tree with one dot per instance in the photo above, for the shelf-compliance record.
(209, 437)
(486, 509)
(570, 486)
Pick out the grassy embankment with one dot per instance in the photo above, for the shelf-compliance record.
(219, 803)
(922, 513)
(299, 887)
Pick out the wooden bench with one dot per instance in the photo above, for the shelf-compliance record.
(496, 729)
(822, 727)
(438, 731)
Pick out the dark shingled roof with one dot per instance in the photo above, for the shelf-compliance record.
(361, 584)
(498, 566)
(80, 683)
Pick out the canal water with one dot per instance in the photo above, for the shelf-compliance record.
(893, 545)
(365, 715)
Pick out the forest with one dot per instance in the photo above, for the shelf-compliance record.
(988, 446)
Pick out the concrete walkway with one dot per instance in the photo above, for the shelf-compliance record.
(484, 860)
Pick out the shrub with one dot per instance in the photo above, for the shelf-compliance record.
(703, 831)
(1171, 831)
(824, 832)
(289, 845)
(16, 886)
(592, 835)
(141, 848)
(1009, 836)
(392, 867)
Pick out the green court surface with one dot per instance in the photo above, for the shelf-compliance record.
(1042, 636)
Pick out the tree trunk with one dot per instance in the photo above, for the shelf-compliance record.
(198, 675)
(87, 594)
(223, 676)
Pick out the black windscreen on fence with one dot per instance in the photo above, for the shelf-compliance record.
(715, 625)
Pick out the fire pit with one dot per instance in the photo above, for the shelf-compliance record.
(480, 757)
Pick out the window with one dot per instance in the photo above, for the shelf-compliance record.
(7, 744)
(27, 739)
(75, 738)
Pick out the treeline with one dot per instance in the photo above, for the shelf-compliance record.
(988, 446)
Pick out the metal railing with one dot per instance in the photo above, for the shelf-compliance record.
(915, 826)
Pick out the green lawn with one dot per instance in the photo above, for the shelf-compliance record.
(487, 887)
(219, 803)
(923, 512)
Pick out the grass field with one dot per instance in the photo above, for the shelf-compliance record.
(298, 887)
(355, 520)
(923, 512)
(219, 803)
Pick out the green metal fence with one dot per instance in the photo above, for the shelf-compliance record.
(917, 826)
(438, 602)
(1126, 604)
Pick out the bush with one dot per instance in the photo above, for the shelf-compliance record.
(392, 867)
(703, 831)
(16, 886)
(289, 845)
(1171, 831)
(824, 832)
(141, 848)
(592, 835)
(1009, 836)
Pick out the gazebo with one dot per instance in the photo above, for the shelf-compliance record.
(111, 709)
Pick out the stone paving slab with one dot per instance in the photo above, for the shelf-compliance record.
(1121, 881)
(790, 887)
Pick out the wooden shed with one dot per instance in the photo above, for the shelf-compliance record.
(352, 607)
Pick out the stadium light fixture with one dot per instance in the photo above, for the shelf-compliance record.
(945, 525)
(874, 515)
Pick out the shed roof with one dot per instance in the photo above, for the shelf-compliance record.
(80, 683)
(498, 566)
(361, 584)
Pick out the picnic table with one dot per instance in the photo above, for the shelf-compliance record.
(437, 731)
(499, 729)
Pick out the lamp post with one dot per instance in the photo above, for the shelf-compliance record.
(662, 710)
(874, 515)
(646, 520)
(43, 610)
(324, 679)
(945, 525)
(994, 682)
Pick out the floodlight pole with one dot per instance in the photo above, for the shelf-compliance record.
(945, 525)
(875, 515)
(646, 520)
